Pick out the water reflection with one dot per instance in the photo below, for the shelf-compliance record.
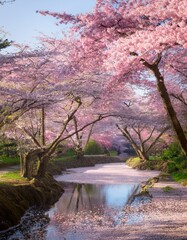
(78, 197)
(88, 205)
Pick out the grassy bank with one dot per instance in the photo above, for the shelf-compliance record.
(167, 168)
(18, 194)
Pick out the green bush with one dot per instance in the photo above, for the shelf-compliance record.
(5, 161)
(8, 148)
(172, 152)
(175, 157)
(70, 152)
(93, 148)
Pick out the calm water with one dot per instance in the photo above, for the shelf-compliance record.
(84, 209)
(88, 206)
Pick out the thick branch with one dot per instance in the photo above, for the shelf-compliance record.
(70, 117)
(127, 135)
(57, 142)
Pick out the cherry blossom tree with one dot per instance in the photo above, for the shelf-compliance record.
(50, 81)
(142, 138)
(144, 125)
(132, 40)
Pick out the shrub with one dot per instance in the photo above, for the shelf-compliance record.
(175, 157)
(70, 152)
(172, 152)
(93, 148)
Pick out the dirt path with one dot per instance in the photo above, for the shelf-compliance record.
(164, 218)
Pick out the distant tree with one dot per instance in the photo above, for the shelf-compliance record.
(3, 2)
(4, 43)
(142, 138)
(48, 80)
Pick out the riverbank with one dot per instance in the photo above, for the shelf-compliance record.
(162, 218)
(18, 196)
(62, 164)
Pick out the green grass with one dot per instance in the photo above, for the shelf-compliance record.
(167, 189)
(13, 178)
(7, 161)
(11, 175)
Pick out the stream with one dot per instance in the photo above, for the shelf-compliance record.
(95, 198)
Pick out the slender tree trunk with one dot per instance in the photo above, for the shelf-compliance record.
(141, 154)
(79, 153)
(43, 126)
(24, 167)
(167, 102)
(169, 108)
(21, 156)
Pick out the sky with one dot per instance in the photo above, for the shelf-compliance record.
(22, 24)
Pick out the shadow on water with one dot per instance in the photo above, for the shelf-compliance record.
(89, 205)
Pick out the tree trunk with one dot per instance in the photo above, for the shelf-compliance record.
(34, 164)
(29, 164)
(141, 154)
(79, 153)
(169, 108)
(21, 156)
(43, 166)
(43, 126)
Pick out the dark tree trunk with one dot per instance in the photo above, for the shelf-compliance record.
(43, 167)
(43, 126)
(30, 164)
(169, 108)
(79, 153)
(34, 164)
(140, 153)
